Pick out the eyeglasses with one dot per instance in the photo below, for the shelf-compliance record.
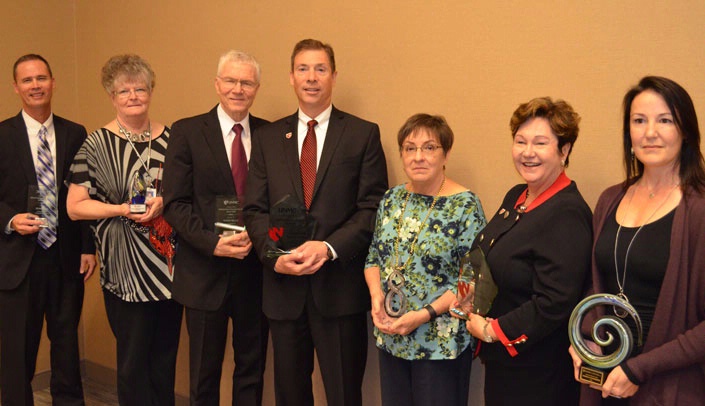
(230, 83)
(426, 150)
(125, 93)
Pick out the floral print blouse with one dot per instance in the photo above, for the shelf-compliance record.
(444, 239)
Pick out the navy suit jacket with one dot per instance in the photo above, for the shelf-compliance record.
(350, 181)
(18, 173)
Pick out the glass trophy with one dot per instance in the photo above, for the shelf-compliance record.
(138, 194)
(289, 226)
(228, 215)
(34, 205)
(596, 365)
(476, 288)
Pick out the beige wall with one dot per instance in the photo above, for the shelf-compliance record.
(470, 61)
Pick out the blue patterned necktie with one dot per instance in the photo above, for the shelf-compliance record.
(47, 189)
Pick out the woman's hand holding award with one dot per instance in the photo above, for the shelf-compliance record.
(597, 366)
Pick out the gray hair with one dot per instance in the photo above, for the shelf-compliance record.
(238, 57)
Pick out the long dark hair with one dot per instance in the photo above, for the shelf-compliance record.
(692, 166)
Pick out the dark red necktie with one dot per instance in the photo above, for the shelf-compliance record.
(239, 161)
(308, 163)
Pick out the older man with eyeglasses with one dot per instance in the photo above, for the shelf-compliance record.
(217, 276)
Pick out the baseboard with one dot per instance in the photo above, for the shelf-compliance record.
(96, 372)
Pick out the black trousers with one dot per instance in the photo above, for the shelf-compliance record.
(551, 384)
(341, 348)
(207, 339)
(44, 293)
(147, 335)
(425, 382)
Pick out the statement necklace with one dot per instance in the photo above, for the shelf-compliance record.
(141, 137)
(621, 283)
(396, 279)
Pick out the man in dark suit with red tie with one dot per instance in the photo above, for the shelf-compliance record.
(216, 276)
(44, 256)
(316, 296)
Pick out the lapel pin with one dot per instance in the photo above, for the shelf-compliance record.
(288, 135)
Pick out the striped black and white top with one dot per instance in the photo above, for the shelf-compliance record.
(130, 267)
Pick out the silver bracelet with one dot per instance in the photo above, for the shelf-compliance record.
(486, 336)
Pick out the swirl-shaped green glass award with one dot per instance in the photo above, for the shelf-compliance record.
(596, 365)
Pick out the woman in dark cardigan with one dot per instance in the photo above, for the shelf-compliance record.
(650, 247)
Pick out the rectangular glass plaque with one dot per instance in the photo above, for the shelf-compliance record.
(228, 210)
(289, 226)
(34, 204)
(34, 200)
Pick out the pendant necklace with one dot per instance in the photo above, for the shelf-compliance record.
(621, 283)
(396, 280)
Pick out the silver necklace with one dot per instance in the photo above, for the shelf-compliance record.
(621, 284)
(141, 137)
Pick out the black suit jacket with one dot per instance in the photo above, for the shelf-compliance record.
(17, 169)
(197, 170)
(350, 181)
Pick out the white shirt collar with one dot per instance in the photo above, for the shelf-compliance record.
(33, 126)
(322, 118)
(227, 122)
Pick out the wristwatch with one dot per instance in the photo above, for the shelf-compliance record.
(330, 252)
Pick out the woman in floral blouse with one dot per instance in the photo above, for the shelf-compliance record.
(423, 229)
